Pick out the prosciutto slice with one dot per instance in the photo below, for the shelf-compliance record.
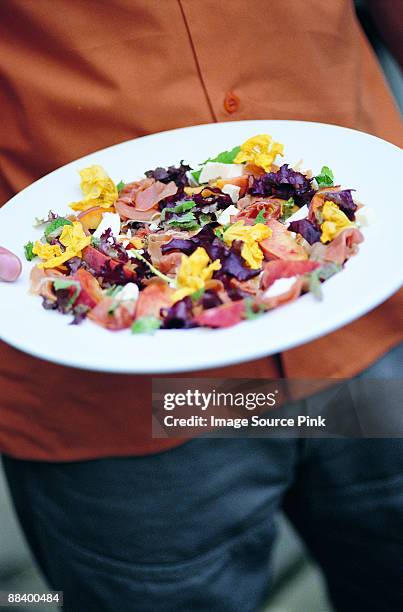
(42, 282)
(147, 199)
(129, 212)
(271, 208)
(226, 315)
(273, 270)
(108, 315)
(344, 245)
(281, 244)
(97, 260)
(155, 296)
(137, 200)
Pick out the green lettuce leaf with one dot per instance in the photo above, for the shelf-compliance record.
(146, 325)
(325, 178)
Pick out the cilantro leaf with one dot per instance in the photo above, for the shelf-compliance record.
(146, 325)
(28, 250)
(260, 217)
(325, 178)
(120, 185)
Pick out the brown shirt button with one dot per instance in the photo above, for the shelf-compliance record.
(231, 102)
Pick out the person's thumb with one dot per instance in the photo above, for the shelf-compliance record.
(10, 265)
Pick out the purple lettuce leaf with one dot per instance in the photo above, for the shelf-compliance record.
(231, 261)
(284, 184)
(344, 201)
(109, 246)
(172, 173)
(179, 244)
(234, 265)
(74, 264)
(210, 299)
(308, 230)
(179, 316)
(211, 203)
(113, 276)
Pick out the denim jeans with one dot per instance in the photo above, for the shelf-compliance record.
(192, 529)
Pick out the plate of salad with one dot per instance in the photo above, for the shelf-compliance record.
(202, 247)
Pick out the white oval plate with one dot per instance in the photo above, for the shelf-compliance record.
(358, 160)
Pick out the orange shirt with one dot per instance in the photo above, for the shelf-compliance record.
(79, 76)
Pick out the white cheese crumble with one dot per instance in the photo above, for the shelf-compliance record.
(232, 191)
(227, 213)
(280, 286)
(215, 170)
(109, 221)
(128, 292)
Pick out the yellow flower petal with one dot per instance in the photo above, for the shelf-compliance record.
(259, 150)
(97, 187)
(194, 271)
(334, 221)
(46, 251)
(250, 235)
(137, 243)
(72, 237)
(55, 262)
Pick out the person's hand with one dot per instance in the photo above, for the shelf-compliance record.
(10, 265)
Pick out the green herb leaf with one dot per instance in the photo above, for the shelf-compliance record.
(197, 295)
(286, 209)
(204, 219)
(225, 157)
(29, 255)
(50, 217)
(325, 178)
(186, 221)
(321, 274)
(120, 185)
(252, 311)
(114, 290)
(146, 325)
(55, 227)
(112, 308)
(260, 218)
(61, 283)
(191, 225)
(171, 282)
(196, 174)
(183, 206)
